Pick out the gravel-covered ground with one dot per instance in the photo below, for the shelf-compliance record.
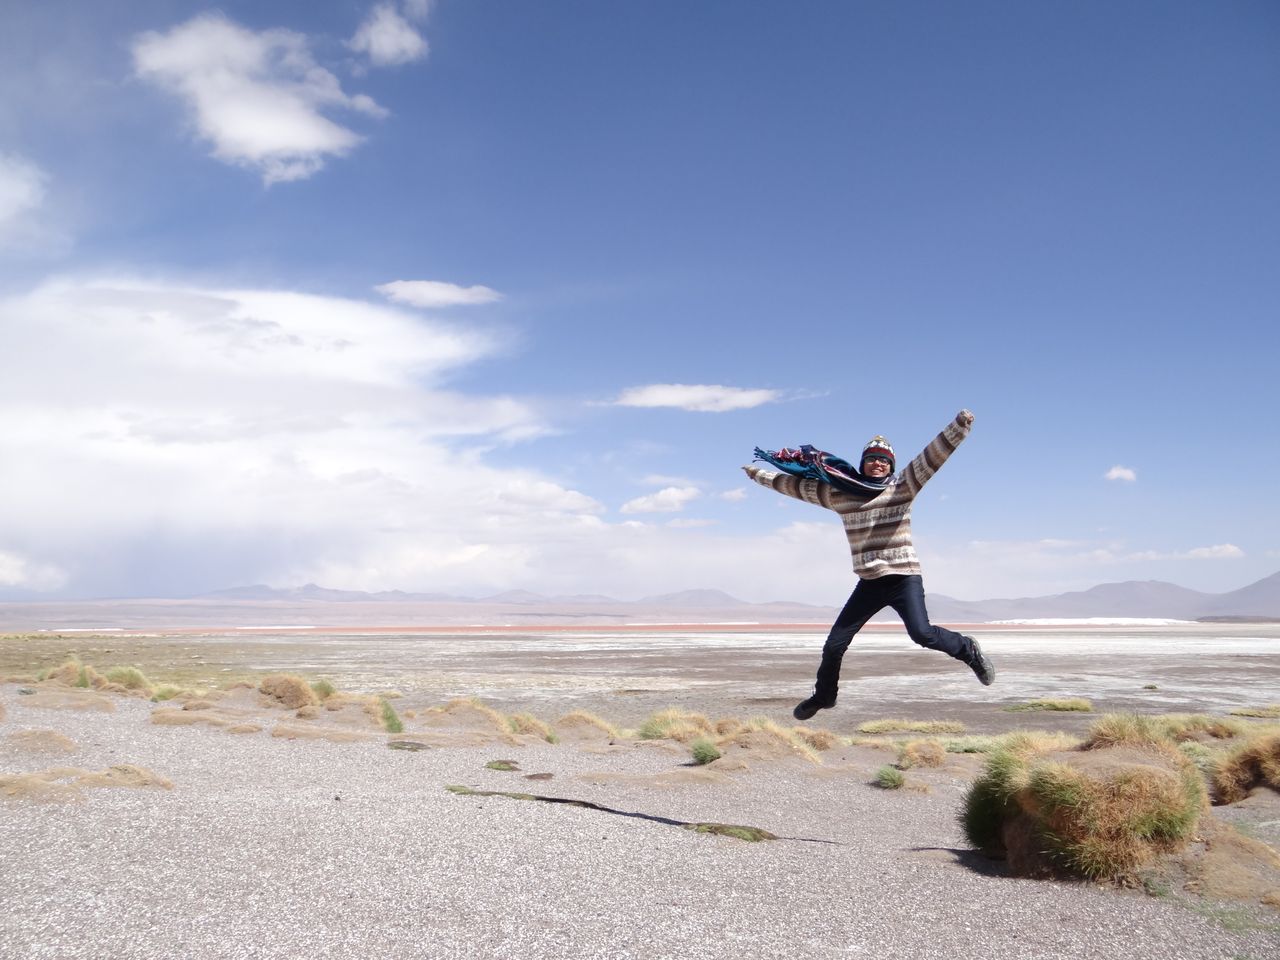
(268, 847)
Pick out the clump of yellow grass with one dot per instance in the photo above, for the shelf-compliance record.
(675, 724)
(527, 723)
(580, 719)
(761, 731)
(1269, 712)
(1061, 705)
(921, 753)
(911, 726)
(460, 706)
(291, 691)
(1254, 763)
(1188, 726)
(820, 740)
(1100, 810)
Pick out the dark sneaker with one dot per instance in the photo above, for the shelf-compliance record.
(983, 667)
(805, 709)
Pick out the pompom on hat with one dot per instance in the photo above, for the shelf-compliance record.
(879, 447)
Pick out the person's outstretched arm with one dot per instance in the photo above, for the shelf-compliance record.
(917, 473)
(810, 491)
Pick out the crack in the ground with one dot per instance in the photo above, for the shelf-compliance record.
(738, 831)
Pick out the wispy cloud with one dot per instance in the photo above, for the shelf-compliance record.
(666, 500)
(387, 38)
(1220, 551)
(736, 495)
(22, 189)
(434, 294)
(257, 97)
(701, 398)
(1127, 474)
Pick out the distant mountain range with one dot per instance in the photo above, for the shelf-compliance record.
(315, 606)
(1129, 599)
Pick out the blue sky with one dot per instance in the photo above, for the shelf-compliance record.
(475, 295)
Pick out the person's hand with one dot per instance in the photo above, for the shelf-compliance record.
(965, 418)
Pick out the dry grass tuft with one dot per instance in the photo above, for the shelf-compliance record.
(464, 708)
(1188, 726)
(73, 673)
(292, 692)
(323, 689)
(817, 739)
(761, 733)
(675, 724)
(1125, 729)
(1066, 705)
(1269, 712)
(528, 724)
(131, 678)
(921, 753)
(581, 719)
(911, 726)
(728, 726)
(1254, 763)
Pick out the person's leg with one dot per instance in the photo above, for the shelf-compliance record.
(863, 604)
(908, 602)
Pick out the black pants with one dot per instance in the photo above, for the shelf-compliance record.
(906, 595)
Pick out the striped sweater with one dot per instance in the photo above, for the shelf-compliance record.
(878, 525)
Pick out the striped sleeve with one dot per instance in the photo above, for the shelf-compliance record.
(918, 472)
(810, 491)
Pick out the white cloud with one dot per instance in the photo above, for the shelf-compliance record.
(433, 294)
(387, 38)
(703, 398)
(418, 9)
(1122, 473)
(201, 437)
(257, 97)
(22, 189)
(18, 571)
(1220, 551)
(689, 523)
(666, 500)
(736, 495)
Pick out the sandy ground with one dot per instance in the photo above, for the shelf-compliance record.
(157, 831)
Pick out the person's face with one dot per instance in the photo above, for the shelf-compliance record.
(876, 467)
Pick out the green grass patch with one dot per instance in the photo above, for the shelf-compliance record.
(504, 765)
(749, 834)
(165, 692)
(323, 689)
(1067, 705)
(704, 751)
(391, 721)
(889, 778)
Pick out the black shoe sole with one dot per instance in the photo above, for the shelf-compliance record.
(807, 711)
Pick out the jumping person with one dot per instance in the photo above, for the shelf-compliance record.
(875, 506)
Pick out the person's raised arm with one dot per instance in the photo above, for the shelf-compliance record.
(917, 473)
(810, 491)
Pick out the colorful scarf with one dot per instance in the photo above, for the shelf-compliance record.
(814, 464)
